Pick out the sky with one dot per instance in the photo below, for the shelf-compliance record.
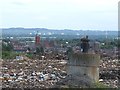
(60, 14)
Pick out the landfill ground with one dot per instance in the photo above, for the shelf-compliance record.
(29, 73)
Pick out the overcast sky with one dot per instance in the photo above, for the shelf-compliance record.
(60, 14)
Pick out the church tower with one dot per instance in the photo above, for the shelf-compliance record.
(37, 39)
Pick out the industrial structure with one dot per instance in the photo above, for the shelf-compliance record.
(84, 63)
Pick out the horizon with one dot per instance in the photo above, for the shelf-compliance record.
(55, 29)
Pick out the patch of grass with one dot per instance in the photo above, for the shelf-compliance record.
(9, 55)
(101, 86)
(29, 56)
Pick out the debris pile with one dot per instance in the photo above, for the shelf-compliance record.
(32, 73)
(109, 72)
(75, 81)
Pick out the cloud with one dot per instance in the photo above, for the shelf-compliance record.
(21, 2)
(18, 3)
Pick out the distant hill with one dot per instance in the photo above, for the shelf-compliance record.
(44, 31)
(57, 34)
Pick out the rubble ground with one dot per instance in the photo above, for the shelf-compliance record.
(109, 72)
(29, 73)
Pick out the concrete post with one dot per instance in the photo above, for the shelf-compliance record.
(84, 64)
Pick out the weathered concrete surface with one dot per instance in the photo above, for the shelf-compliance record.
(84, 59)
(84, 64)
(91, 72)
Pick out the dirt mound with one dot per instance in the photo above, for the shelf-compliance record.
(75, 81)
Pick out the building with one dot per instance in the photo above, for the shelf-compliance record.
(37, 39)
(19, 46)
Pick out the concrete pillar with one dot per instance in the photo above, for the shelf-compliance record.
(84, 64)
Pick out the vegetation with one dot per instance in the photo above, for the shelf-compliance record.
(101, 86)
(29, 55)
(9, 55)
(109, 44)
(7, 50)
(39, 50)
